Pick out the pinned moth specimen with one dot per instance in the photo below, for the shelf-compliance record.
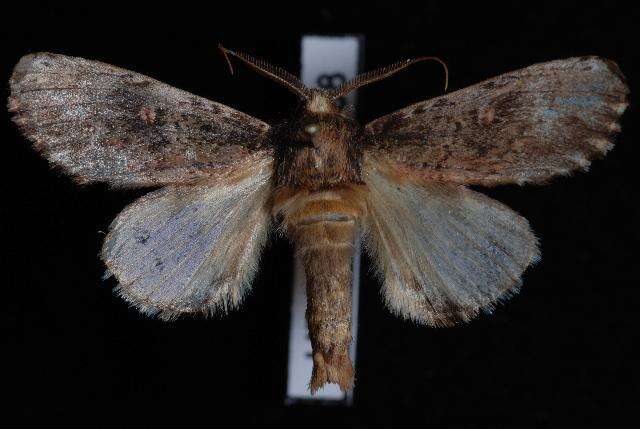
(223, 180)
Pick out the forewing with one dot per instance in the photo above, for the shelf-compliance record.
(444, 252)
(184, 249)
(102, 123)
(524, 126)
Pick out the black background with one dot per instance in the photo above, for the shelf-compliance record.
(559, 352)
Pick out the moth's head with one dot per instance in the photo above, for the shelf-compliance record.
(320, 101)
(323, 100)
(318, 119)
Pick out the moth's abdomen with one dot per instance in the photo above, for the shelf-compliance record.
(327, 269)
(323, 227)
(302, 207)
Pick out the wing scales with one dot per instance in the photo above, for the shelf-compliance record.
(185, 249)
(102, 123)
(444, 252)
(525, 126)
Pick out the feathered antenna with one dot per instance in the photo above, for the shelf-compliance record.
(383, 73)
(276, 73)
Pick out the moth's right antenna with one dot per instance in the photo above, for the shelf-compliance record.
(275, 73)
(383, 73)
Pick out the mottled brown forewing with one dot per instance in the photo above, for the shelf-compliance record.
(523, 126)
(101, 123)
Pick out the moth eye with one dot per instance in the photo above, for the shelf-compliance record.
(311, 129)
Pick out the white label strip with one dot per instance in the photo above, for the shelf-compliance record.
(326, 62)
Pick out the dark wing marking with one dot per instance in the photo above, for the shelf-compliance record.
(101, 123)
(524, 126)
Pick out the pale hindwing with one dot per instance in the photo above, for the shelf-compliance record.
(186, 249)
(444, 252)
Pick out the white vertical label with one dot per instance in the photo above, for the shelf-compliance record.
(327, 62)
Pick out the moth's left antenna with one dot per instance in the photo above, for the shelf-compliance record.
(264, 68)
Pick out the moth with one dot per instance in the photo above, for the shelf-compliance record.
(223, 180)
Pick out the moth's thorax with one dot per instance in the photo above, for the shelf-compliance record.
(317, 149)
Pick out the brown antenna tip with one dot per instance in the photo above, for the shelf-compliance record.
(444, 66)
(225, 53)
